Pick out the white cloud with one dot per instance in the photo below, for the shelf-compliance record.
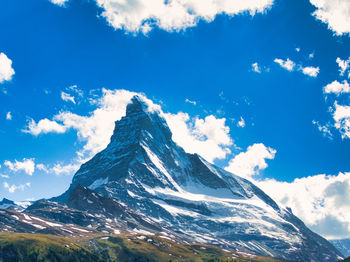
(337, 88)
(335, 13)
(286, 64)
(249, 163)
(341, 116)
(67, 97)
(4, 176)
(241, 123)
(27, 165)
(209, 136)
(310, 71)
(75, 89)
(289, 65)
(59, 2)
(191, 102)
(44, 126)
(256, 68)
(8, 116)
(321, 201)
(343, 66)
(6, 70)
(13, 188)
(69, 169)
(324, 129)
(175, 15)
(59, 169)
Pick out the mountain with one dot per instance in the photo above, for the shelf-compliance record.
(343, 245)
(143, 168)
(9, 204)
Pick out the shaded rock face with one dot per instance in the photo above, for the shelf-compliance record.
(88, 208)
(9, 204)
(144, 169)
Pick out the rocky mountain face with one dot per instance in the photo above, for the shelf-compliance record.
(343, 245)
(11, 205)
(142, 169)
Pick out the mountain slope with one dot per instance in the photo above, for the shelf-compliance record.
(143, 168)
(101, 248)
(343, 245)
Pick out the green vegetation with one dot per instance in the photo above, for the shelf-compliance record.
(36, 247)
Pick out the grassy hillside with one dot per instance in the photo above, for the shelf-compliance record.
(36, 247)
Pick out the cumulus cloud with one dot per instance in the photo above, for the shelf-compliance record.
(343, 65)
(335, 13)
(256, 68)
(59, 2)
(249, 163)
(290, 65)
(67, 97)
(337, 88)
(341, 116)
(286, 64)
(8, 116)
(310, 71)
(175, 15)
(6, 70)
(13, 187)
(44, 126)
(321, 201)
(208, 136)
(26, 165)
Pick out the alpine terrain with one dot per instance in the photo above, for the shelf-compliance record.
(146, 182)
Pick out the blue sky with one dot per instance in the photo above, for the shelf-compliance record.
(228, 67)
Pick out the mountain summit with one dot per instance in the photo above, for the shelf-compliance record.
(145, 169)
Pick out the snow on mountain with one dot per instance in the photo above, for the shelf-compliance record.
(11, 205)
(143, 168)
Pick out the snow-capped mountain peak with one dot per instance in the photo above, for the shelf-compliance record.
(145, 169)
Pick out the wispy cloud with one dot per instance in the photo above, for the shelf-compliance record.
(12, 188)
(26, 165)
(67, 97)
(324, 129)
(256, 68)
(191, 102)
